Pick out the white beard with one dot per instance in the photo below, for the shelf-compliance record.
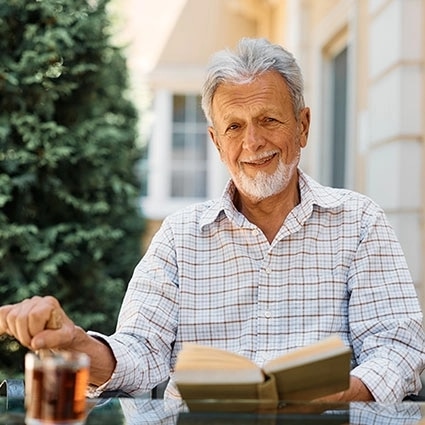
(264, 185)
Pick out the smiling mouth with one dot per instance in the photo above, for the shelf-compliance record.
(261, 161)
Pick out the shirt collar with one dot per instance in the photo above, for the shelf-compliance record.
(223, 206)
(311, 193)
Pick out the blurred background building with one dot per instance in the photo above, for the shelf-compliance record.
(363, 63)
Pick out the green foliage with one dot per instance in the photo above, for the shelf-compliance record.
(69, 225)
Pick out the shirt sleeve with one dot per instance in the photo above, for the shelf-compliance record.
(147, 323)
(384, 314)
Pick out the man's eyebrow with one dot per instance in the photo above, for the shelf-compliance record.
(228, 117)
(265, 111)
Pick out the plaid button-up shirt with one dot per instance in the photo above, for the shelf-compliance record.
(211, 277)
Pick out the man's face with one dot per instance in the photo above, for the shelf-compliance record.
(257, 134)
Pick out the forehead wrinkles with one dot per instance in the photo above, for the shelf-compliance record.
(241, 109)
(257, 96)
(257, 101)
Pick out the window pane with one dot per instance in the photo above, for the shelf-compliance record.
(189, 148)
(201, 145)
(178, 151)
(179, 106)
(339, 119)
(200, 117)
(188, 183)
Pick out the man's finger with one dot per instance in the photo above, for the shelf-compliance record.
(55, 320)
(4, 311)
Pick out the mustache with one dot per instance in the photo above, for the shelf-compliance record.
(260, 157)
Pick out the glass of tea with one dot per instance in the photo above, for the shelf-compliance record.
(55, 388)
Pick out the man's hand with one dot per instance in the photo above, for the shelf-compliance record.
(40, 323)
(356, 392)
(37, 323)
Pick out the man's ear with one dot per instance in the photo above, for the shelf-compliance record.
(304, 120)
(213, 134)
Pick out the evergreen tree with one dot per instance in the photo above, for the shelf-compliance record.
(69, 224)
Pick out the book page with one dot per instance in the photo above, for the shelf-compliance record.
(328, 347)
(208, 365)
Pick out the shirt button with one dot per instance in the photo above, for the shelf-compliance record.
(268, 270)
(255, 232)
(267, 314)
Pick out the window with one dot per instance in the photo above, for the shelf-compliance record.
(339, 119)
(189, 148)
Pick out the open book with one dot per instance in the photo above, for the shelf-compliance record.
(207, 373)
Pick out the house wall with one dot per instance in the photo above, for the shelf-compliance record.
(422, 175)
(394, 120)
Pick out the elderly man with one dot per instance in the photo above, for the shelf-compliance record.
(276, 263)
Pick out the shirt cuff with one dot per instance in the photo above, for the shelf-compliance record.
(94, 391)
(382, 379)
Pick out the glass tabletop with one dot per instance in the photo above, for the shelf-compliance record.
(138, 411)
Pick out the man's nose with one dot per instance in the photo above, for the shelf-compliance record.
(253, 138)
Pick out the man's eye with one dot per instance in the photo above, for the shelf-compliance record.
(271, 122)
(232, 129)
